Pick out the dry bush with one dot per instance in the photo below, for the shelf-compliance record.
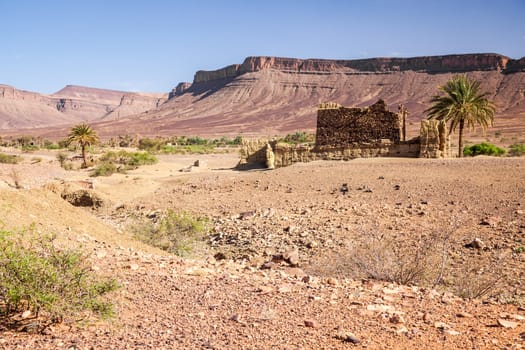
(475, 280)
(16, 178)
(421, 261)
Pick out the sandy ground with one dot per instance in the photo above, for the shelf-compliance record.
(167, 302)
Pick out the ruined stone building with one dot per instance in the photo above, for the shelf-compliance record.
(346, 133)
(339, 126)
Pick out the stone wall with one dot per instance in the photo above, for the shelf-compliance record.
(342, 127)
(253, 152)
(348, 133)
(434, 139)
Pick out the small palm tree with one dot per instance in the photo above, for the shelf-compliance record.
(85, 136)
(463, 104)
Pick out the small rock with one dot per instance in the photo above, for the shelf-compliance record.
(517, 317)
(379, 307)
(401, 330)
(507, 324)
(464, 315)
(152, 214)
(101, 254)
(491, 221)
(347, 337)
(306, 279)
(344, 189)
(296, 272)
(397, 319)
(476, 244)
(291, 257)
(26, 314)
(236, 318)
(246, 214)
(200, 163)
(265, 289)
(397, 187)
(133, 267)
(441, 325)
(285, 289)
(311, 324)
(332, 281)
(312, 244)
(269, 265)
(451, 332)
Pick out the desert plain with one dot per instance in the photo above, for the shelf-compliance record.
(289, 257)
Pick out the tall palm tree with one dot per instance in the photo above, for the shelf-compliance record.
(85, 136)
(463, 104)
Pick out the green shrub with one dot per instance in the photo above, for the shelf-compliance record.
(151, 145)
(104, 169)
(29, 148)
(298, 137)
(177, 233)
(119, 162)
(9, 159)
(51, 145)
(49, 282)
(517, 150)
(139, 158)
(483, 149)
(520, 249)
(131, 159)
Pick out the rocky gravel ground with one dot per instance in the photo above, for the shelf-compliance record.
(282, 267)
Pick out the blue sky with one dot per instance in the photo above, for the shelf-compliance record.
(151, 45)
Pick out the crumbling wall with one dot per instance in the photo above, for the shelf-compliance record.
(348, 133)
(253, 152)
(433, 139)
(342, 127)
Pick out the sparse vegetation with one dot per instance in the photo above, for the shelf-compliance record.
(120, 162)
(483, 148)
(185, 145)
(61, 157)
(15, 177)
(520, 249)
(47, 283)
(517, 150)
(105, 169)
(388, 259)
(298, 137)
(9, 159)
(177, 233)
(475, 281)
(29, 148)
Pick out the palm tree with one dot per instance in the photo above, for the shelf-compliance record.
(84, 135)
(463, 104)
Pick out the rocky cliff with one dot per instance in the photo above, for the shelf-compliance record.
(273, 95)
(425, 64)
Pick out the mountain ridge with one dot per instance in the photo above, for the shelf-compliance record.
(273, 95)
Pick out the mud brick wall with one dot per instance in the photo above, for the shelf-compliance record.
(434, 140)
(253, 151)
(341, 126)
